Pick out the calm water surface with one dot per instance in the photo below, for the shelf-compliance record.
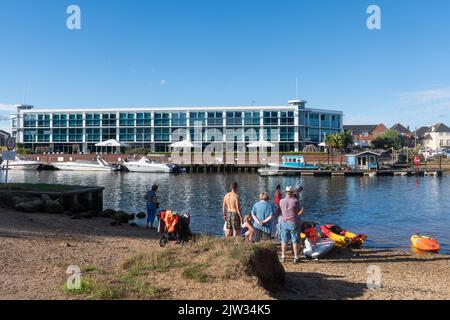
(388, 209)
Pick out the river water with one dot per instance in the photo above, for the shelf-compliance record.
(388, 209)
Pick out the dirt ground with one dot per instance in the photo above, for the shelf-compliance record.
(36, 249)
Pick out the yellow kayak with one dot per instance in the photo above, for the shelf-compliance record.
(343, 238)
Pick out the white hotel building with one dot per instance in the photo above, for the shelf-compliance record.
(62, 130)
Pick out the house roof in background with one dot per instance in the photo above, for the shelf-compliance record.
(4, 133)
(440, 127)
(359, 129)
(400, 128)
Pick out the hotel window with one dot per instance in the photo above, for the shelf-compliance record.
(59, 120)
(44, 120)
(162, 119)
(109, 120)
(335, 123)
(29, 120)
(43, 135)
(287, 118)
(162, 134)
(325, 121)
(215, 119)
(179, 119)
(59, 135)
(236, 135)
(270, 118)
(252, 118)
(313, 135)
(126, 119)
(234, 118)
(197, 118)
(126, 134)
(143, 134)
(75, 120)
(29, 135)
(143, 119)
(93, 135)
(271, 134)
(109, 134)
(251, 134)
(92, 120)
(214, 134)
(197, 134)
(287, 134)
(75, 135)
(313, 119)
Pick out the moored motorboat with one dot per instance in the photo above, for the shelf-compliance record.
(343, 238)
(425, 243)
(21, 164)
(99, 165)
(146, 166)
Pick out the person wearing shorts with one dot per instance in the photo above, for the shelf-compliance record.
(231, 209)
(289, 230)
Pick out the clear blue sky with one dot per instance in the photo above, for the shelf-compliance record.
(231, 52)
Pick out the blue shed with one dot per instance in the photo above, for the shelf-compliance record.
(364, 160)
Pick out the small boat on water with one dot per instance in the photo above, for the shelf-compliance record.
(80, 165)
(147, 166)
(425, 243)
(21, 164)
(343, 238)
(288, 163)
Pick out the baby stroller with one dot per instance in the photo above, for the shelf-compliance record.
(174, 227)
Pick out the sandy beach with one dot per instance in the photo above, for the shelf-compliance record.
(36, 249)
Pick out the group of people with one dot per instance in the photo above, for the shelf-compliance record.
(267, 219)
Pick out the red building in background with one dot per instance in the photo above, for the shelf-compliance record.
(365, 134)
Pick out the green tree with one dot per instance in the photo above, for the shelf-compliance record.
(344, 140)
(389, 139)
(332, 142)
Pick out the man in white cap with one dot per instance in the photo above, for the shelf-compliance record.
(290, 210)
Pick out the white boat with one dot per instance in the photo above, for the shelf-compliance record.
(266, 172)
(21, 164)
(80, 165)
(317, 249)
(145, 165)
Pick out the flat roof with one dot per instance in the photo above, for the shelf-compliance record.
(187, 109)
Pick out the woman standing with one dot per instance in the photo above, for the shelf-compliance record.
(262, 214)
(152, 206)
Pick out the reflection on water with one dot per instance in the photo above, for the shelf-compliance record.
(388, 209)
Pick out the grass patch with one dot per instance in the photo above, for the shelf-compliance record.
(92, 269)
(87, 287)
(159, 262)
(196, 272)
